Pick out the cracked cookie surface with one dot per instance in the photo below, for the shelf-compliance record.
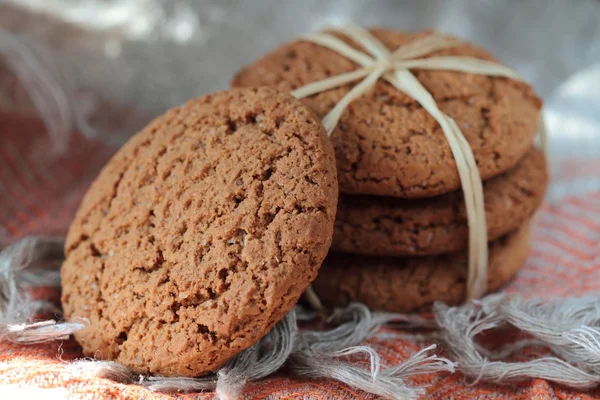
(406, 284)
(386, 143)
(388, 226)
(201, 232)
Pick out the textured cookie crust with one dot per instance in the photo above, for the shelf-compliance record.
(388, 226)
(385, 143)
(414, 283)
(201, 232)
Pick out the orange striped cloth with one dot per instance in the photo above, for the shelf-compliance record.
(40, 192)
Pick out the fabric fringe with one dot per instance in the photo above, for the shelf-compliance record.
(16, 306)
(569, 328)
(319, 354)
(386, 381)
(566, 326)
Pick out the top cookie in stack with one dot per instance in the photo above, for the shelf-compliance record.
(386, 144)
(400, 188)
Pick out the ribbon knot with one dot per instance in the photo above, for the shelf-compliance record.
(394, 67)
(387, 64)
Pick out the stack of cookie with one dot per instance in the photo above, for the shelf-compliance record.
(401, 234)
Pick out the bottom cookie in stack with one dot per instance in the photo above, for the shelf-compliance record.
(405, 284)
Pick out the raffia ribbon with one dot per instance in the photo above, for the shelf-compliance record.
(394, 67)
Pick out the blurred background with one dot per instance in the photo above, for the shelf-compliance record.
(104, 68)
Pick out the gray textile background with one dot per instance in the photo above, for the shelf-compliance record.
(154, 54)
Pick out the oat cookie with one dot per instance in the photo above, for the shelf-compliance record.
(386, 143)
(201, 232)
(414, 283)
(389, 226)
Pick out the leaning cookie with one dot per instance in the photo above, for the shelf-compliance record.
(414, 283)
(387, 226)
(386, 144)
(201, 232)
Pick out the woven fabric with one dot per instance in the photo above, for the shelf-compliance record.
(40, 192)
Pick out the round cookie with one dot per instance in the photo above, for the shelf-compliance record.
(387, 226)
(386, 143)
(414, 283)
(201, 232)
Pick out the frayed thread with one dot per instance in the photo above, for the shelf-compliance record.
(260, 360)
(320, 354)
(42, 332)
(561, 325)
(90, 368)
(16, 306)
(387, 381)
